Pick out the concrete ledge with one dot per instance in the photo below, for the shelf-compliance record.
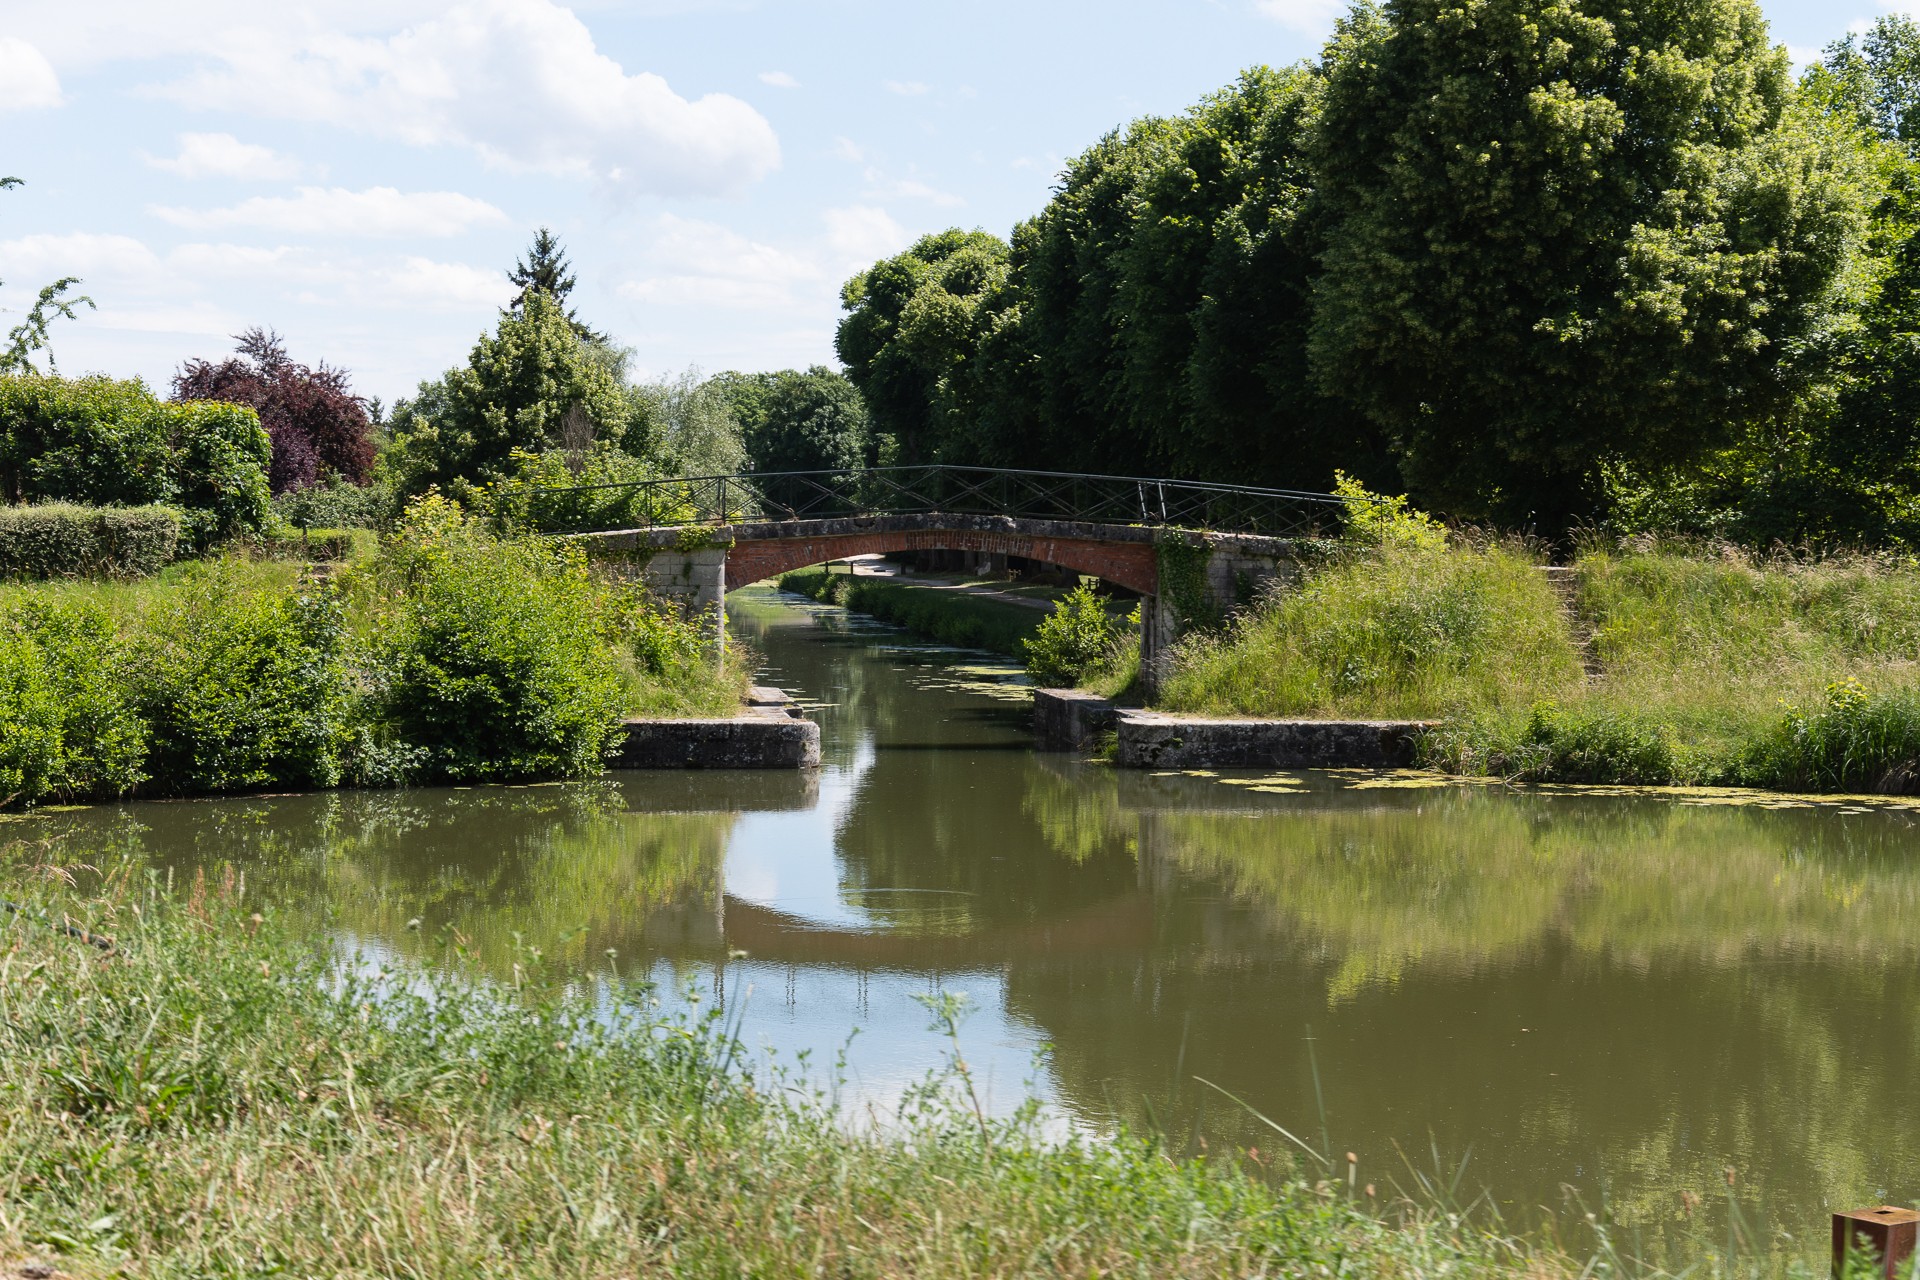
(1156, 740)
(1069, 719)
(765, 738)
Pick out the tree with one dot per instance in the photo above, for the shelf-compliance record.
(799, 421)
(1561, 233)
(517, 388)
(913, 321)
(545, 269)
(319, 428)
(31, 334)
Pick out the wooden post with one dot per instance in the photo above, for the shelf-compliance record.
(1887, 1232)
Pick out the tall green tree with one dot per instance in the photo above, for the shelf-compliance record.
(531, 384)
(913, 323)
(545, 269)
(799, 420)
(1563, 232)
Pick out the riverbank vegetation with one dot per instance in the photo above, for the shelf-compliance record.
(1645, 662)
(215, 1095)
(452, 655)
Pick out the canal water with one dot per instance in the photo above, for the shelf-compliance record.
(1568, 1000)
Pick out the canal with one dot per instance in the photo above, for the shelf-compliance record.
(1568, 1000)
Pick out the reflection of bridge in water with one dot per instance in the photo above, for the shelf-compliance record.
(1188, 548)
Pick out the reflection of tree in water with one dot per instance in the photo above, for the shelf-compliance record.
(570, 869)
(1699, 987)
(906, 833)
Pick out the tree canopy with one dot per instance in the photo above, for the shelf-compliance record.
(319, 428)
(1520, 255)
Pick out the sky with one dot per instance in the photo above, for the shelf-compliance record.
(358, 175)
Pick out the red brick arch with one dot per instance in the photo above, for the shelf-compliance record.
(1131, 564)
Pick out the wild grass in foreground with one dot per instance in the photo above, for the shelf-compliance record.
(214, 1096)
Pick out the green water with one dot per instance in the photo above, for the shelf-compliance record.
(1618, 998)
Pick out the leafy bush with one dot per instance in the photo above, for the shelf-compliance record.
(244, 686)
(110, 443)
(336, 505)
(62, 540)
(555, 491)
(499, 655)
(67, 728)
(1853, 741)
(1077, 637)
(1583, 743)
(29, 718)
(102, 744)
(220, 454)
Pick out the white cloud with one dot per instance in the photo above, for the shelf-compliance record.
(906, 88)
(704, 264)
(849, 150)
(708, 264)
(519, 81)
(221, 155)
(883, 188)
(1310, 16)
(137, 288)
(779, 80)
(335, 211)
(863, 234)
(27, 79)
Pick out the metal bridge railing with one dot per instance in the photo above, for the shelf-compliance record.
(925, 490)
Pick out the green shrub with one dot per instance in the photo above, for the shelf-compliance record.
(29, 718)
(62, 540)
(244, 686)
(1853, 741)
(1079, 636)
(67, 727)
(554, 491)
(109, 443)
(336, 505)
(220, 454)
(499, 655)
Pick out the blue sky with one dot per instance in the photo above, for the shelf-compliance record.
(358, 174)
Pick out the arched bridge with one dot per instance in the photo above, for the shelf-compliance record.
(1192, 549)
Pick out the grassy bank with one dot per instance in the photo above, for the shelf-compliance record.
(216, 1096)
(1708, 666)
(949, 616)
(449, 656)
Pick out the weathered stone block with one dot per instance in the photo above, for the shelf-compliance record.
(1069, 719)
(1156, 740)
(753, 741)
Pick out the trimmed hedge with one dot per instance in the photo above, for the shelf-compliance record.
(64, 540)
(105, 442)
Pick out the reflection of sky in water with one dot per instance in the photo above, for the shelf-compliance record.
(823, 1015)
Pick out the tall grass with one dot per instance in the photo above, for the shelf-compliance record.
(217, 1097)
(1721, 667)
(1391, 630)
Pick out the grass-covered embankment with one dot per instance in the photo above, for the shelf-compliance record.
(1712, 666)
(450, 656)
(951, 616)
(216, 1096)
